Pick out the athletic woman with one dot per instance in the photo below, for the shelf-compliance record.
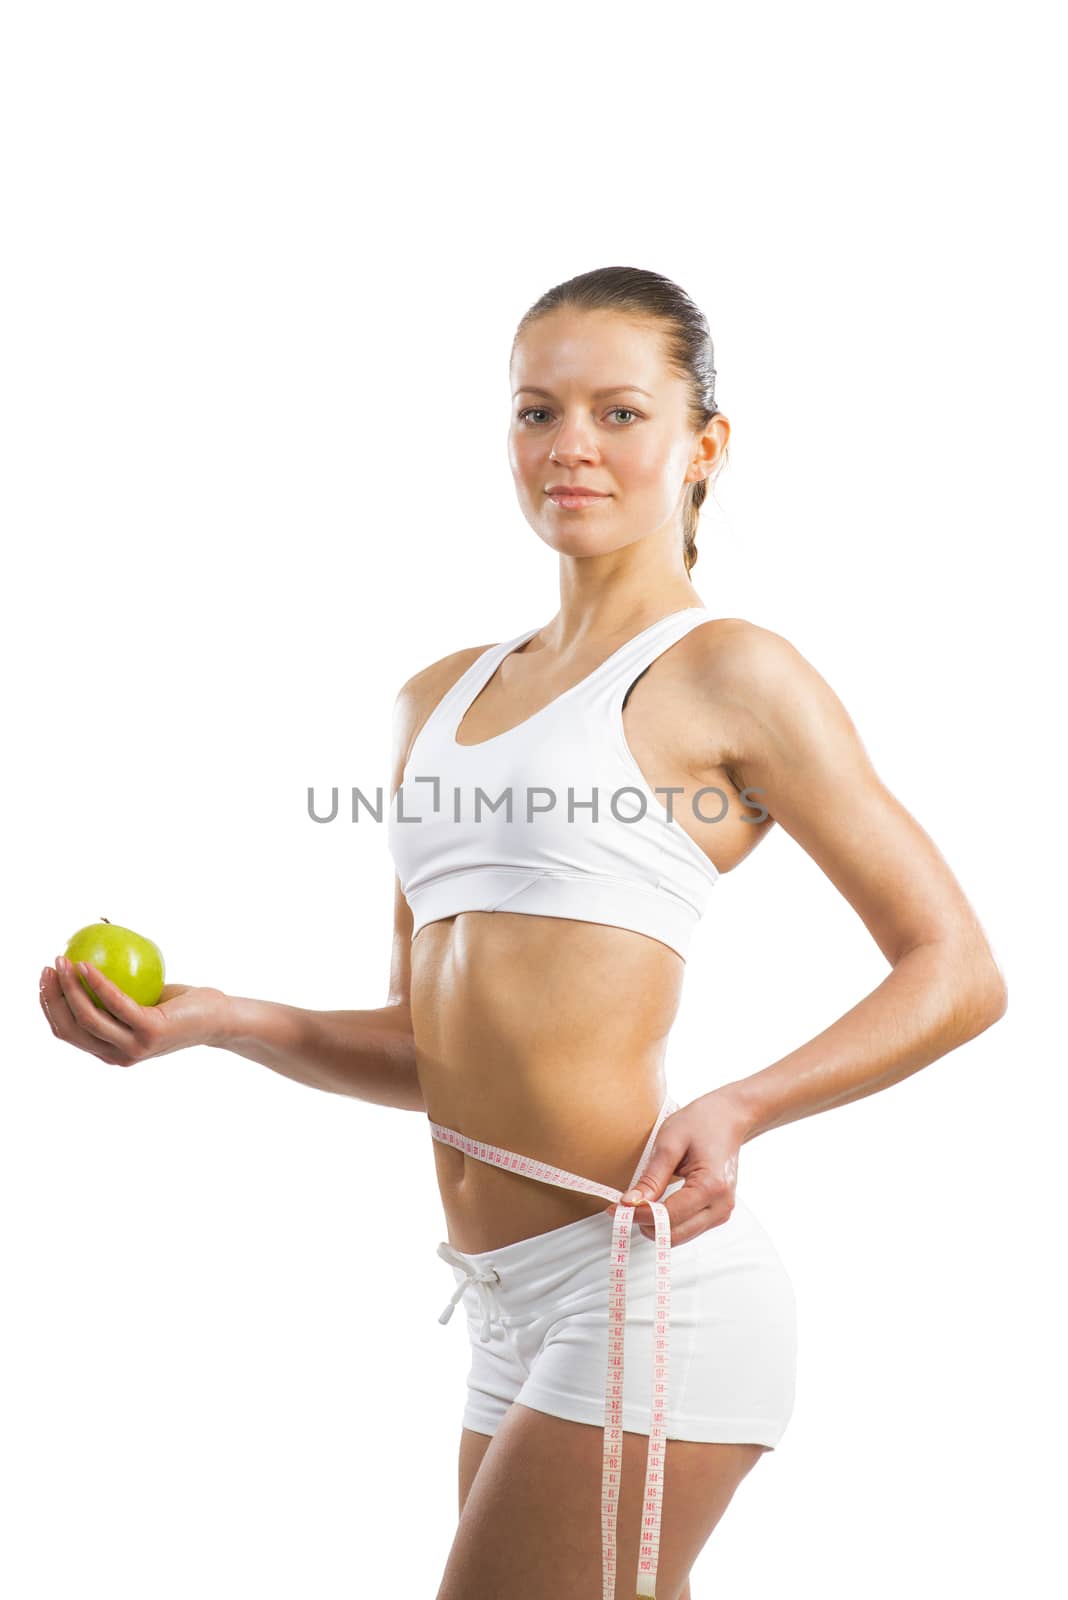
(562, 804)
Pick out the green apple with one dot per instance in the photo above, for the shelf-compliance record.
(132, 962)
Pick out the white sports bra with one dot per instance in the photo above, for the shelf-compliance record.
(552, 817)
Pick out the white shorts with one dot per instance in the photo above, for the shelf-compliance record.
(733, 1327)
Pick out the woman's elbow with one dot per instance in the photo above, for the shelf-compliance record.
(972, 988)
(990, 993)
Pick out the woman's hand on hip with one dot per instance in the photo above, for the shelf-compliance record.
(700, 1143)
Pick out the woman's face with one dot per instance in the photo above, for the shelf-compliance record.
(634, 444)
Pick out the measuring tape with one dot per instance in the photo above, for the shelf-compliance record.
(612, 1464)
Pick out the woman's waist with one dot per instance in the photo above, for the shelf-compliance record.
(492, 1087)
(594, 1125)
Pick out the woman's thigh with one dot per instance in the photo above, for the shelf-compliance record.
(473, 1447)
(530, 1525)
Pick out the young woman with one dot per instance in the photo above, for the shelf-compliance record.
(562, 805)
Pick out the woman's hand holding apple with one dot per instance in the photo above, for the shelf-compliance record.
(122, 1032)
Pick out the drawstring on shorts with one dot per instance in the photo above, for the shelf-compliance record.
(483, 1282)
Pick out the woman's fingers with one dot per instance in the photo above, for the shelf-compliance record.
(117, 1002)
(59, 1019)
(74, 1015)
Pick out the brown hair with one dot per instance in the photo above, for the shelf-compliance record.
(688, 346)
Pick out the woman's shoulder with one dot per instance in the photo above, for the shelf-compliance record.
(419, 694)
(733, 662)
(737, 647)
(439, 676)
(773, 696)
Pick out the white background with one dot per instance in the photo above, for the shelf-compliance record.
(263, 267)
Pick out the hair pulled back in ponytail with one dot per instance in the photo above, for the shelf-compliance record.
(688, 347)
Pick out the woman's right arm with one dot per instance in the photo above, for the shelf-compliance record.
(369, 1055)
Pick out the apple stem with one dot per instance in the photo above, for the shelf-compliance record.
(104, 919)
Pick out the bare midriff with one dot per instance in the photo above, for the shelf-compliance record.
(544, 1036)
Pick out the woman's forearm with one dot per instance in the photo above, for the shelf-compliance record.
(369, 1055)
(933, 1000)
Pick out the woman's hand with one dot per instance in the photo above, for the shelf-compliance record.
(126, 1032)
(699, 1142)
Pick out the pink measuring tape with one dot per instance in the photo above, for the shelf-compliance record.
(649, 1549)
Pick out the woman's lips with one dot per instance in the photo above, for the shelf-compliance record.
(570, 501)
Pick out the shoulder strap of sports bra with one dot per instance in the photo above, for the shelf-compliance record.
(476, 676)
(627, 663)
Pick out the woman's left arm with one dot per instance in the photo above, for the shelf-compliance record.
(798, 749)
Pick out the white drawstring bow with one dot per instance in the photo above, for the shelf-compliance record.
(481, 1281)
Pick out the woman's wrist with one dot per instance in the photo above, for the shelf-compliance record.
(734, 1107)
(222, 1019)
